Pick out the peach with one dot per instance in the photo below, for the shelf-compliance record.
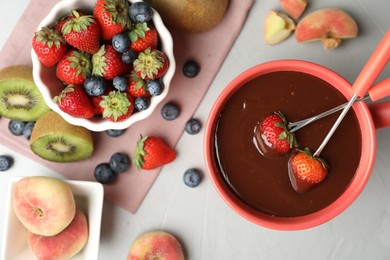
(65, 244)
(156, 245)
(278, 27)
(294, 8)
(44, 205)
(329, 25)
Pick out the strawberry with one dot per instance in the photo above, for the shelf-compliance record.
(49, 45)
(108, 63)
(97, 99)
(151, 64)
(143, 37)
(305, 170)
(58, 25)
(82, 32)
(151, 152)
(74, 67)
(273, 136)
(137, 86)
(112, 15)
(74, 101)
(117, 106)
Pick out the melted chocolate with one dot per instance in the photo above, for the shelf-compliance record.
(263, 183)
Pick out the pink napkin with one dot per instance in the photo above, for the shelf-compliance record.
(209, 49)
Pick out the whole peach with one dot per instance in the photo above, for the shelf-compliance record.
(65, 244)
(156, 245)
(44, 205)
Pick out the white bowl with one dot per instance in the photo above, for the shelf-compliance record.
(89, 199)
(50, 86)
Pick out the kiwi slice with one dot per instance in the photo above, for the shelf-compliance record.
(20, 98)
(56, 140)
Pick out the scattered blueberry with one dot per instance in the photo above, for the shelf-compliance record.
(129, 56)
(140, 12)
(192, 177)
(28, 129)
(120, 83)
(95, 85)
(114, 132)
(192, 126)
(141, 103)
(170, 111)
(16, 127)
(119, 162)
(104, 174)
(121, 42)
(154, 87)
(6, 162)
(191, 68)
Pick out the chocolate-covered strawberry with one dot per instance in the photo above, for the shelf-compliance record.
(272, 136)
(305, 170)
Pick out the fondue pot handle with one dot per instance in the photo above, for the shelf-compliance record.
(373, 67)
(380, 90)
(380, 113)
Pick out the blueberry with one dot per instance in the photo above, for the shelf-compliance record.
(170, 111)
(192, 126)
(28, 129)
(191, 68)
(129, 56)
(114, 132)
(16, 127)
(121, 42)
(120, 83)
(119, 162)
(95, 85)
(104, 174)
(192, 177)
(154, 87)
(141, 103)
(6, 162)
(140, 12)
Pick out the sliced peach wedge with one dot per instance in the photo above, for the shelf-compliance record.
(328, 25)
(294, 8)
(278, 27)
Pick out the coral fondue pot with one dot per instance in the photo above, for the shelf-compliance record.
(368, 118)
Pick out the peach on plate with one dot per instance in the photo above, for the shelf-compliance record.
(88, 198)
(278, 27)
(294, 8)
(156, 245)
(44, 205)
(65, 244)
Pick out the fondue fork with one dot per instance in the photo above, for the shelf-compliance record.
(366, 78)
(379, 91)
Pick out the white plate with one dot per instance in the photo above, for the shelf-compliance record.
(89, 199)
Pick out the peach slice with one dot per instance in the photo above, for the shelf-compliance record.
(329, 25)
(44, 205)
(294, 8)
(65, 244)
(156, 245)
(278, 27)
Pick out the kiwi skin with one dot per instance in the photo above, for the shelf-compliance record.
(51, 131)
(19, 79)
(194, 16)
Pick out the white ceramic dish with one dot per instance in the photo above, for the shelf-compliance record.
(50, 86)
(89, 199)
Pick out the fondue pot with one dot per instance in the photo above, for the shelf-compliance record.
(370, 118)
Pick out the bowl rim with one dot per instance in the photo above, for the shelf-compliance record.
(357, 183)
(97, 124)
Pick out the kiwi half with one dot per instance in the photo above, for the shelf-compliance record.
(20, 98)
(56, 140)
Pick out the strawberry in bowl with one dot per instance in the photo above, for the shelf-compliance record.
(105, 48)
